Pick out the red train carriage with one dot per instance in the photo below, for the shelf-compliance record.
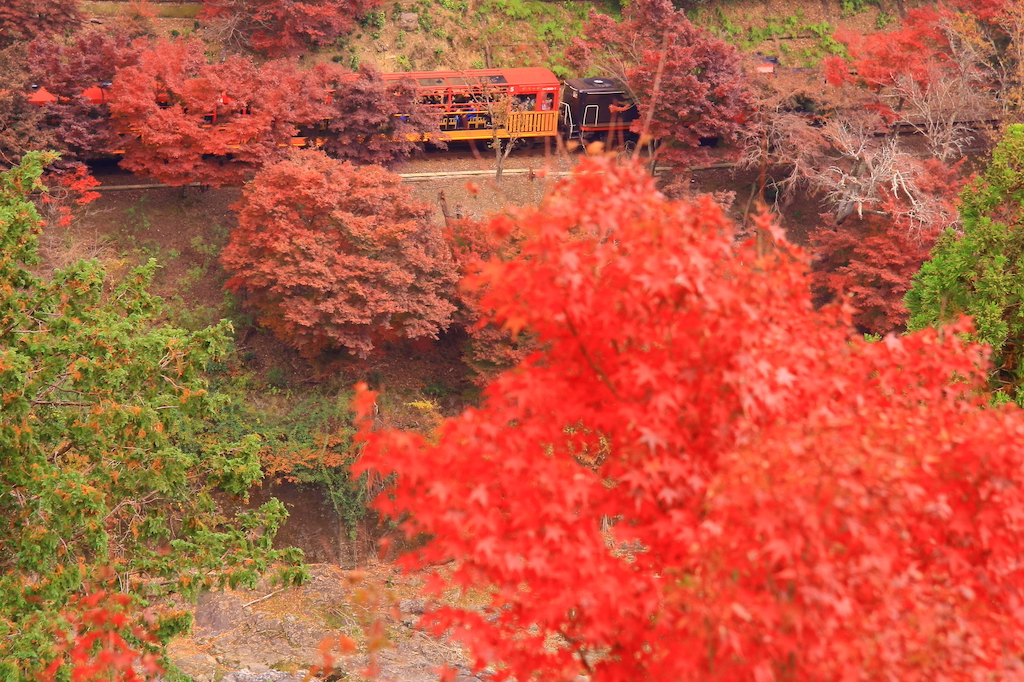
(471, 105)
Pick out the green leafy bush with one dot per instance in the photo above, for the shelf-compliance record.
(101, 481)
(980, 271)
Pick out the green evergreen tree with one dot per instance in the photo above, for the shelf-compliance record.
(103, 482)
(980, 272)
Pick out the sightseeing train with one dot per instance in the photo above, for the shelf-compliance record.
(522, 103)
(534, 103)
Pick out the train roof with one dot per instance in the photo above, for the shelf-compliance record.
(529, 76)
(41, 96)
(596, 86)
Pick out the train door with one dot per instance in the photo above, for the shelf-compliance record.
(566, 117)
(590, 115)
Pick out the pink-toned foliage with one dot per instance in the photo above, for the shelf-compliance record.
(699, 476)
(873, 259)
(22, 20)
(185, 120)
(701, 93)
(374, 121)
(284, 27)
(334, 256)
(475, 245)
(69, 66)
(22, 124)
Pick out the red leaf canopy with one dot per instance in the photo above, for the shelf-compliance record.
(701, 477)
(333, 255)
(701, 91)
(185, 120)
(286, 27)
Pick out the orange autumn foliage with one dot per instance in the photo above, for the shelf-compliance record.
(331, 452)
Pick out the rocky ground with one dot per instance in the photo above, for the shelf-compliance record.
(269, 635)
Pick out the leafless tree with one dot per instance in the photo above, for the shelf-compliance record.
(873, 175)
(498, 106)
(233, 25)
(231, 31)
(782, 134)
(994, 52)
(830, 141)
(946, 109)
(863, 171)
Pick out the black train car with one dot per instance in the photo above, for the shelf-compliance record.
(592, 107)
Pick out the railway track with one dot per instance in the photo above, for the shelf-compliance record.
(527, 162)
(429, 176)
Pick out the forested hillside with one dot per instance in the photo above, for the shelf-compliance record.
(729, 391)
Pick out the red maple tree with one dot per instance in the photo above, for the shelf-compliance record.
(954, 62)
(872, 259)
(78, 71)
(22, 124)
(283, 27)
(474, 245)
(373, 121)
(184, 120)
(699, 476)
(22, 20)
(67, 187)
(106, 641)
(338, 256)
(692, 79)
(912, 48)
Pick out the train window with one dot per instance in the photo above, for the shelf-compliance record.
(431, 82)
(524, 103)
(458, 81)
(590, 115)
(481, 96)
(464, 102)
(497, 80)
(547, 102)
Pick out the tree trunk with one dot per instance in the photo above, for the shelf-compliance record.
(501, 152)
(443, 201)
(762, 176)
(499, 159)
